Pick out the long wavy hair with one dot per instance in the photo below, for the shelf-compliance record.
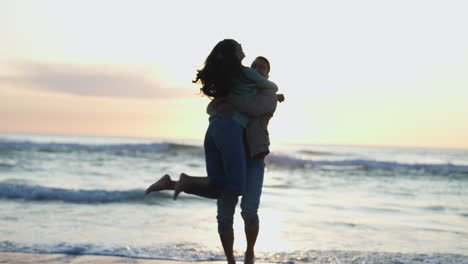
(221, 66)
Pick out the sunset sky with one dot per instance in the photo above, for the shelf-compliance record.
(353, 72)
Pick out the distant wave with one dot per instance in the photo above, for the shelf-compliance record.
(363, 164)
(318, 153)
(69, 147)
(41, 193)
(281, 160)
(8, 163)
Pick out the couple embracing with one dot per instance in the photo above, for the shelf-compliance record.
(236, 141)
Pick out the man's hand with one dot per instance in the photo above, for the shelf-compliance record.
(280, 97)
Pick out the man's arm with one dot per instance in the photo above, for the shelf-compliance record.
(263, 103)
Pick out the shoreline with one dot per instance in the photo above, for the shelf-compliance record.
(59, 258)
(332, 257)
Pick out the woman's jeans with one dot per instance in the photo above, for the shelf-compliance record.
(231, 174)
(225, 156)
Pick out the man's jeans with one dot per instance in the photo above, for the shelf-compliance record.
(250, 200)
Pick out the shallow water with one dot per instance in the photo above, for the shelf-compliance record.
(84, 195)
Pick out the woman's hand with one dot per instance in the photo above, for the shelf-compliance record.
(223, 107)
(226, 110)
(218, 101)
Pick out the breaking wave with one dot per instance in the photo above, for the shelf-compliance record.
(41, 193)
(71, 147)
(284, 160)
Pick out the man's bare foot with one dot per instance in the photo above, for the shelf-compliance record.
(249, 257)
(165, 183)
(181, 185)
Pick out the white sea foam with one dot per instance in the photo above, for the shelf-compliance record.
(196, 252)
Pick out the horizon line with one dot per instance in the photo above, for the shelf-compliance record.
(279, 142)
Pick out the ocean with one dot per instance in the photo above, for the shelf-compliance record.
(320, 203)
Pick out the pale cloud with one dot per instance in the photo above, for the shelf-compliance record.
(90, 80)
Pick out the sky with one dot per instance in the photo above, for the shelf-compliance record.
(391, 73)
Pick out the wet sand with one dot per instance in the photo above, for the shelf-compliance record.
(34, 258)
